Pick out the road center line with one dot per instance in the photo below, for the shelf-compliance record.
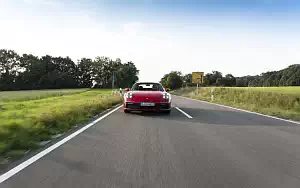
(183, 112)
(36, 157)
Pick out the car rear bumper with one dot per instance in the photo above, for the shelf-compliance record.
(137, 107)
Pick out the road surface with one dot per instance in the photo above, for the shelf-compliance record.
(217, 147)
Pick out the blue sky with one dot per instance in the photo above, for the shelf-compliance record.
(238, 37)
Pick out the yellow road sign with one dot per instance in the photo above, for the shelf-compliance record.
(197, 77)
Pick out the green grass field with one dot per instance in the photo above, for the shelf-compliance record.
(282, 102)
(6, 96)
(29, 117)
(282, 90)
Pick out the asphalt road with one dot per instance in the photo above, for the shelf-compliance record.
(217, 147)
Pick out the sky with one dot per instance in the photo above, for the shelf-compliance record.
(240, 37)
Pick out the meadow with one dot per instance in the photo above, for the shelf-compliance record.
(29, 118)
(282, 90)
(283, 102)
(6, 96)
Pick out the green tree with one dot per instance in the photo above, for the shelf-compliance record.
(57, 72)
(102, 72)
(173, 80)
(47, 72)
(187, 80)
(127, 75)
(9, 68)
(85, 73)
(32, 72)
(211, 78)
(229, 80)
(285, 77)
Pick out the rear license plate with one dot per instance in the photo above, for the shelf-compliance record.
(147, 104)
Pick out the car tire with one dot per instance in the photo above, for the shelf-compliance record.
(126, 111)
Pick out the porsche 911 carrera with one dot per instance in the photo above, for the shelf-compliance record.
(147, 96)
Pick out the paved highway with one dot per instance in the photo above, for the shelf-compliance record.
(214, 147)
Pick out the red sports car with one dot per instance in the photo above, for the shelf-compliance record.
(147, 96)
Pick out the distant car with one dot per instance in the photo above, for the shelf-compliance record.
(147, 96)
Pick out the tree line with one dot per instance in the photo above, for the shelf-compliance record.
(28, 72)
(289, 76)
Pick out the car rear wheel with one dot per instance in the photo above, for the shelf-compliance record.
(126, 111)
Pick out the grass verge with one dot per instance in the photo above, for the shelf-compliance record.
(25, 124)
(7, 96)
(280, 104)
(290, 90)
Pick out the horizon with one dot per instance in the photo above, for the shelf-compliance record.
(242, 39)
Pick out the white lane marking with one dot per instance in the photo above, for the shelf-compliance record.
(33, 159)
(183, 112)
(273, 117)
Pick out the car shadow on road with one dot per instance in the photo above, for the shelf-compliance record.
(150, 114)
(174, 115)
(217, 117)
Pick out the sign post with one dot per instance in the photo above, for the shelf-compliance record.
(197, 78)
(212, 94)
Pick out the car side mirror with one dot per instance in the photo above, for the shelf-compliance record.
(167, 89)
(127, 89)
